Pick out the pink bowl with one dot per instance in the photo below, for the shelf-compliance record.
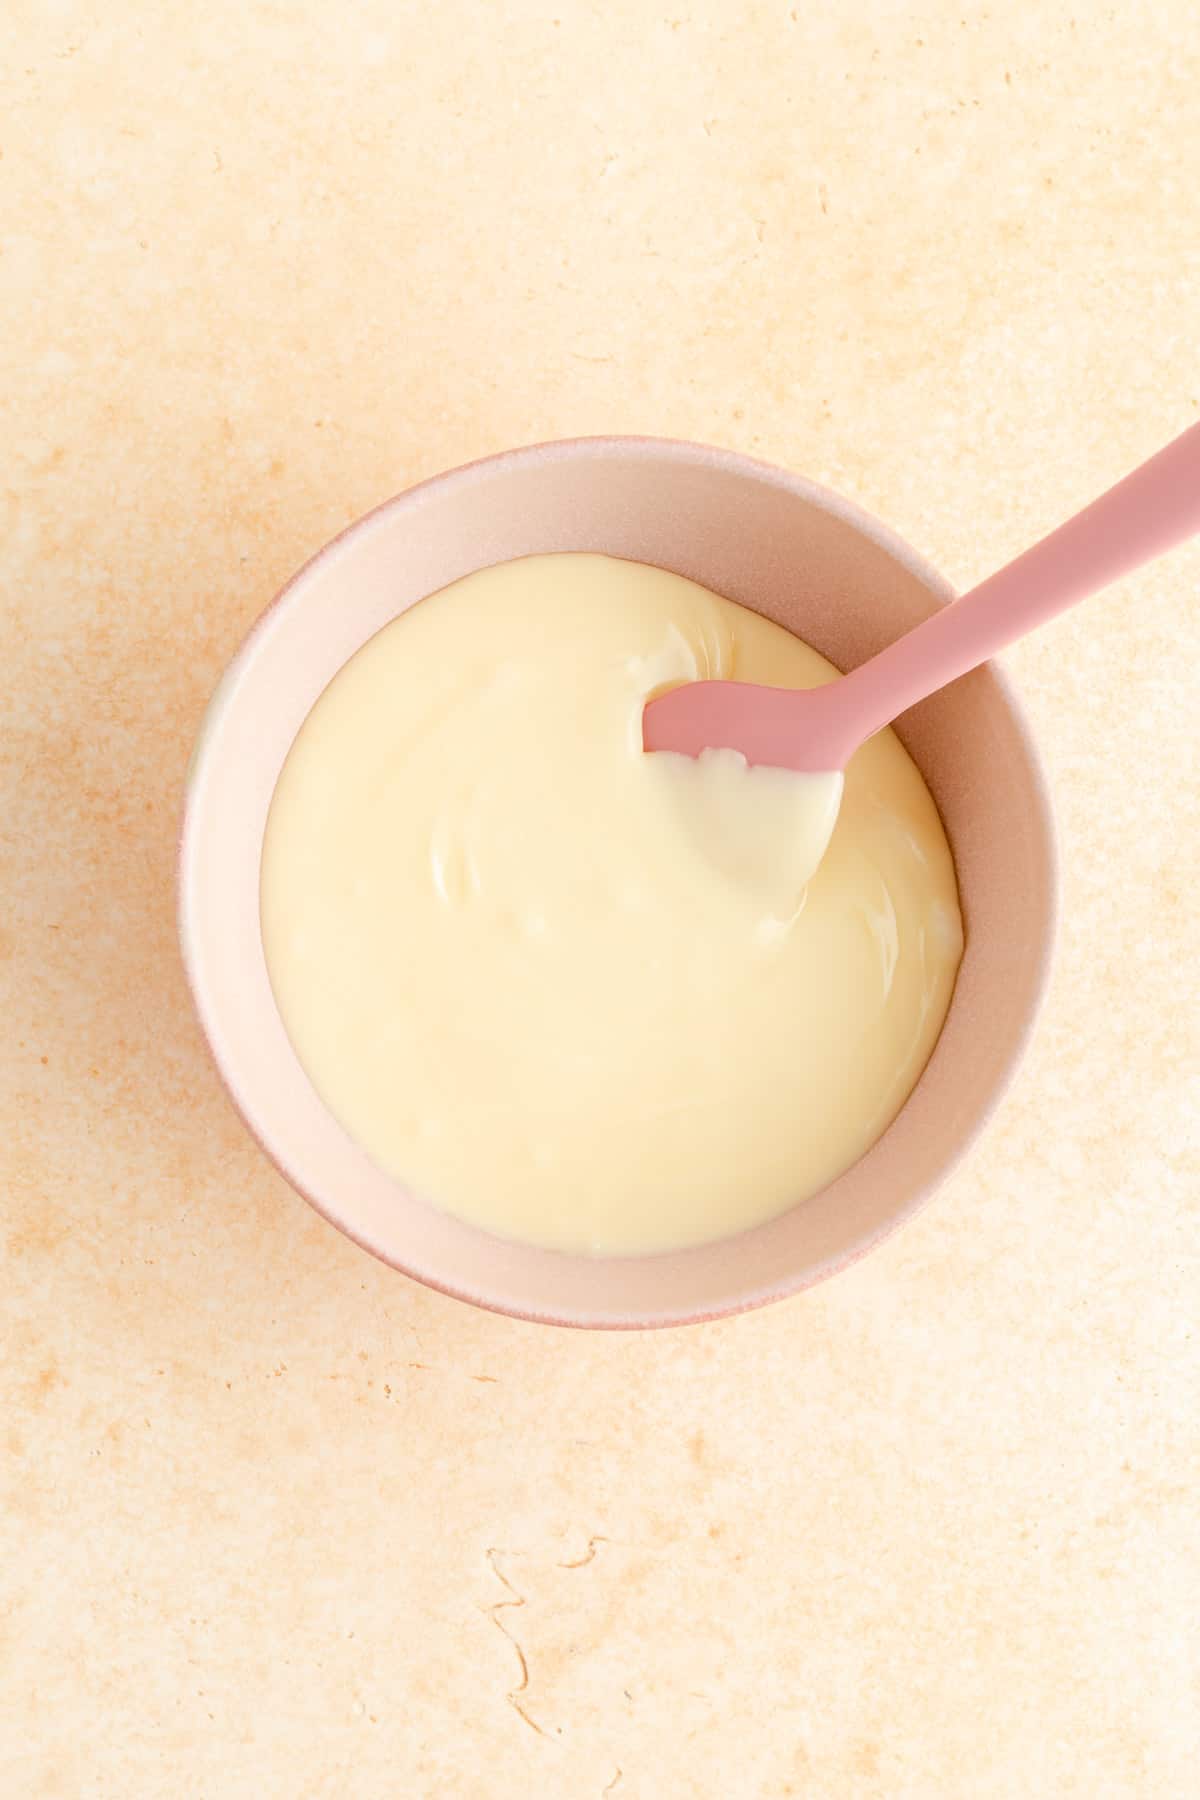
(774, 542)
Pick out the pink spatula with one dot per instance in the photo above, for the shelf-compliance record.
(1150, 511)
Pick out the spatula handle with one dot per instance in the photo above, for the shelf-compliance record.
(1150, 511)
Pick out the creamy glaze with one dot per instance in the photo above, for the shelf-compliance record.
(579, 995)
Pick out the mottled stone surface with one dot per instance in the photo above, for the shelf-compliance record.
(276, 1522)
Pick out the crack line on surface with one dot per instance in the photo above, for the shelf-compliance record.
(613, 1785)
(493, 1612)
(588, 1556)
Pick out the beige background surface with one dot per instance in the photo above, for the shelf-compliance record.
(277, 1522)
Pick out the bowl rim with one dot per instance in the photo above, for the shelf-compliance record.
(652, 448)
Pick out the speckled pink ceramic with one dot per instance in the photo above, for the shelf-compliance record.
(774, 542)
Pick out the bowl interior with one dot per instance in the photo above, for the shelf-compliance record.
(802, 557)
